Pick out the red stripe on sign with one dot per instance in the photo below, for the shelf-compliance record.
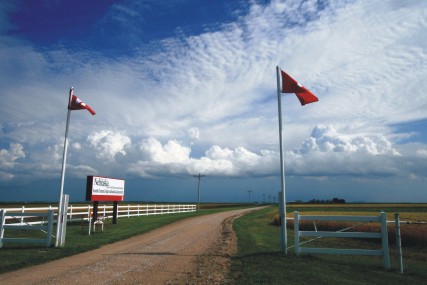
(106, 198)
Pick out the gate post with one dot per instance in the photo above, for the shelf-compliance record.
(296, 232)
(2, 221)
(49, 228)
(398, 242)
(384, 239)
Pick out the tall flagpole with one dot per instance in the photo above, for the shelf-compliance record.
(64, 162)
(282, 196)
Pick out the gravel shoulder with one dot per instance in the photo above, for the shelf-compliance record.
(192, 251)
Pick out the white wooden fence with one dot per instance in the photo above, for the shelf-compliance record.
(47, 229)
(77, 213)
(42, 218)
(383, 235)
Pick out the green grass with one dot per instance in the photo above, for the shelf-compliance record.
(15, 256)
(259, 260)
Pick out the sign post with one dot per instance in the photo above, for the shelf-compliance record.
(100, 188)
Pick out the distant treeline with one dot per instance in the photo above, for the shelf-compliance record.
(319, 201)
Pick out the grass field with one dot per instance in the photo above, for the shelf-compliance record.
(259, 260)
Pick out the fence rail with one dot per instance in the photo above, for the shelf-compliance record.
(77, 213)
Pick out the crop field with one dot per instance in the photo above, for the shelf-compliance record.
(260, 261)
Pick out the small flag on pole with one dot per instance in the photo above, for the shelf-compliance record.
(77, 104)
(290, 85)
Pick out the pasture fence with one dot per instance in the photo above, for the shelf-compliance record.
(84, 212)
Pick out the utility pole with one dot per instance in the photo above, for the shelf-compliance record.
(249, 191)
(198, 189)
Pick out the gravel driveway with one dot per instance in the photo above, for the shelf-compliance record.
(191, 251)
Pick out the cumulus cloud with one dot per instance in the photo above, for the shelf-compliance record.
(174, 158)
(329, 152)
(327, 139)
(171, 152)
(8, 160)
(107, 144)
(9, 156)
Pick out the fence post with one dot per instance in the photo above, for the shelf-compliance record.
(71, 212)
(89, 219)
(22, 217)
(49, 228)
(2, 220)
(398, 242)
(296, 232)
(384, 234)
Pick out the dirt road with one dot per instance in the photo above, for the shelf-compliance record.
(191, 251)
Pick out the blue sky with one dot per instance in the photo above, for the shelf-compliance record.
(188, 86)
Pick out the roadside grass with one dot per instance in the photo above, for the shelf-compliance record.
(260, 261)
(16, 256)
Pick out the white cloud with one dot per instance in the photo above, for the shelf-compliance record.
(8, 157)
(174, 158)
(194, 134)
(76, 146)
(8, 160)
(421, 153)
(171, 152)
(327, 139)
(107, 144)
(329, 152)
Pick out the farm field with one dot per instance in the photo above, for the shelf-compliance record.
(260, 261)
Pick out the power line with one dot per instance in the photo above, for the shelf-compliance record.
(249, 191)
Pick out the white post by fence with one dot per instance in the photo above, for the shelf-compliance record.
(64, 213)
(2, 221)
(384, 239)
(89, 218)
(296, 232)
(398, 242)
(49, 228)
(22, 217)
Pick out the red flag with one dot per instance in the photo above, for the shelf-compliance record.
(290, 85)
(77, 104)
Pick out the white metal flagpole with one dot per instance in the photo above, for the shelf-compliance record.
(64, 162)
(282, 196)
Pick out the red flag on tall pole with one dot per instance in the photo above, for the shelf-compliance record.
(74, 103)
(77, 104)
(290, 85)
